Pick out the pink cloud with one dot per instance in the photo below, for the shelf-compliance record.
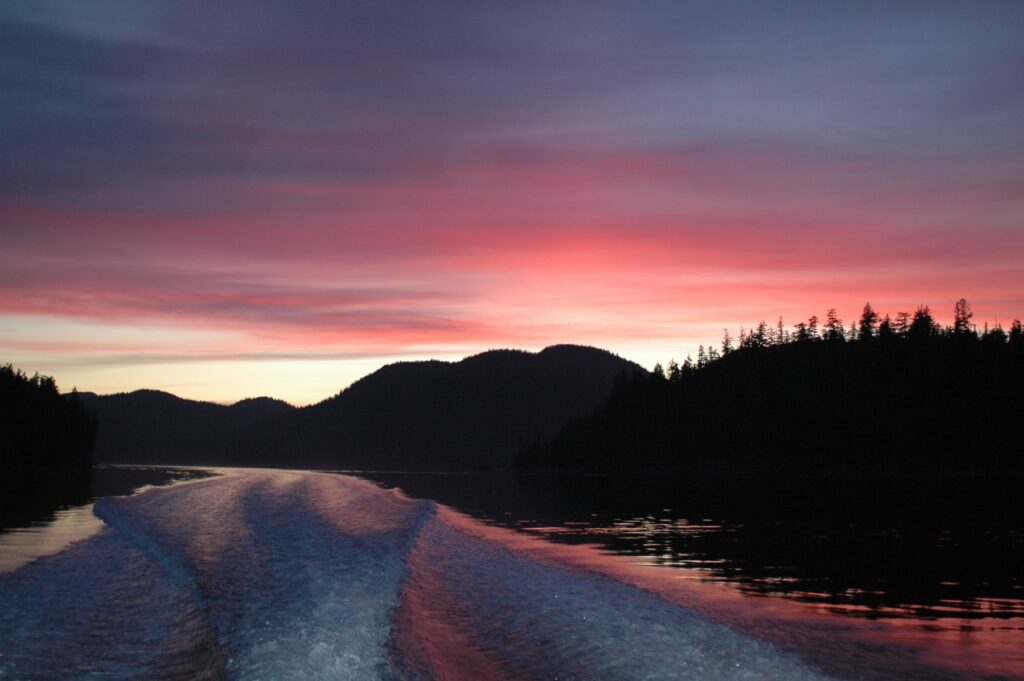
(580, 243)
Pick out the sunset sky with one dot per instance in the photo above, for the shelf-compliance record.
(239, 198)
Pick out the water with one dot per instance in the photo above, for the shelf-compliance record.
(282, 574)
(45, 524)
(937, 564)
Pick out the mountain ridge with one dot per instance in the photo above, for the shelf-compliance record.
(433, 414)
(476, 412)
(154, 426)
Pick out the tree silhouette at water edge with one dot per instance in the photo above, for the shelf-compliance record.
(900, 396)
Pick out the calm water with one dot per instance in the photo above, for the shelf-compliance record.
(48, 522)
(941, 560)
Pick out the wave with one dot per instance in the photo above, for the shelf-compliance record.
(299, 575)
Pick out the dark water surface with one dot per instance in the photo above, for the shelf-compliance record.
(941, 558)
(265, 575)
(47, 518)
(269, 574)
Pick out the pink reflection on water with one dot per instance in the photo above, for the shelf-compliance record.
(23, 545)
(430, 637)
(973, 648)
(357, 507)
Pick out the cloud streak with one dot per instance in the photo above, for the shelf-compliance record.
(322, 179)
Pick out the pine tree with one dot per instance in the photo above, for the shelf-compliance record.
(726, 343)
(759, 336)
(834, 327)
(868, 319)
(962, 318)
(923, 324)
(885, 329)
(902, 324)
(1016, 335)
(687, 369)
(812, 327)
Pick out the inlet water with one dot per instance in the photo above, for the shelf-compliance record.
(297, 575)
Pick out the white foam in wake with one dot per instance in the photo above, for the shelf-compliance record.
(287, 575)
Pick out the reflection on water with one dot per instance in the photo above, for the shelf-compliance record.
(45, 521)
(883, 583)
(272, 574)
(260, 574)
(943, 557)
(23, 544)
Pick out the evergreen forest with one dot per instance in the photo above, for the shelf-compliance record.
(44, 436)
(893, 396)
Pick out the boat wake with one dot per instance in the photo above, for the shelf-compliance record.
(298, 575)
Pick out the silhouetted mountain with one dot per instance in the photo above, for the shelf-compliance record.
(150, 426)
(900, 397)
(436, 415)
(45, 438)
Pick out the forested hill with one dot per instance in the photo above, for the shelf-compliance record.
(440, 415)
(151, 426)
(43, 434)
(902, 396)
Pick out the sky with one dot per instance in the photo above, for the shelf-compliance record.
(249, 198)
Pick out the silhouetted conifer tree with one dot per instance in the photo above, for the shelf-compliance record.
(1016, 335)
(962, 317)
(687, 368)
(726, 343)
(759, 337)
(812, 327)
(902, 324)
(923, 325)
(885, 330)
(833, 327)
(868, 319)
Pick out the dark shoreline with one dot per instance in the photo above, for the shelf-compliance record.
(48, 491)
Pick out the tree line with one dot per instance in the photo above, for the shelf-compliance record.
(893, 394)
(43, 434)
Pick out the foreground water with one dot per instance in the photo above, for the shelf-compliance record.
(280, 574)
(44, 523)
(937, 563)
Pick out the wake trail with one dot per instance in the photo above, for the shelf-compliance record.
(267, 575)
